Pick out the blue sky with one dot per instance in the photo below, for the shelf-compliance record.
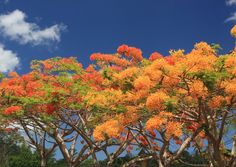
(40, 29)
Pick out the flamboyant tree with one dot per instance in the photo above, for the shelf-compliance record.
(38, 102)
(185, 98)
(133, 94)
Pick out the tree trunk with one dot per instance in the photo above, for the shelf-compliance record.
(43, 159)
(109, 163)
(233, 153)
(233, 150)
(161, 164)
(43, 162)
(217, 157)
(144, 163)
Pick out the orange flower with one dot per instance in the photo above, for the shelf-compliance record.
(134, 53)
(230, 61)
(110, 128)
(128, 117)
(233, 31)
(12, 110)
(109, 58)
(155, 56)
(198, 89)
(90, 68)
(129, 72)
(216, 102)
(202, 135)
(170, 60)
(122, 49)
(143, 140)
(173, 128)
(152, 73)
(47, 65)
(204, 48)
(230, 87)
(13, 74)
(178, 141)
(155, 123)
(156, 100)
(142, 82)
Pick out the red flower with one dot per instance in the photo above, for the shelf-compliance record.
(50, 108)
(12, 110)
(178, 142)
(122, 49)
(134, 53)
(170, 61)
(152, 133)
(155, 56)
(8, 130)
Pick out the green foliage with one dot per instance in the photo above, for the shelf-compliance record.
(24, 157)
(170, 105)
(1, 76)
(127, 85)
(107, 74)
(208, 78)
(216, 47)
(188, 158)
(120, 108)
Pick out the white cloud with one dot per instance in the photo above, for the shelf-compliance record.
(231, 2)
(8, 60)
(15, 27)
(231, 18)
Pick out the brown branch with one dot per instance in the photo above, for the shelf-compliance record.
(184, 145)
(137, 159)
(194, 165)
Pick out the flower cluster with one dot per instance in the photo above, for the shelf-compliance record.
(12, 109)
(198, 89)
(155, 55)
(142, 83)
(110, 59)
(233, 31)
(163, 122)
(111, 129)
(156, 100)
(134, 53)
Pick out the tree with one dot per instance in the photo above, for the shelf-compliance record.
(43, 102)
(24, 157)
(183, 98)
(8, 145)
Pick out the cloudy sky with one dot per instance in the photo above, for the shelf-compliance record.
(41, 29)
